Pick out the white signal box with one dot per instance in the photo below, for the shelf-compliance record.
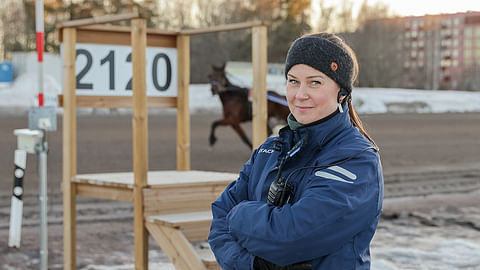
(28, 140)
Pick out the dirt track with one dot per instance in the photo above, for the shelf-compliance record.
(408, 142)
(414, 147)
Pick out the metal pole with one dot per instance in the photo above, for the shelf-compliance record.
(42, 172)
(40, 44)
(42, 159)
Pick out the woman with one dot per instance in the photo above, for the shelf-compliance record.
(310, 198)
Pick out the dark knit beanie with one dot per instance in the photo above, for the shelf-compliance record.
(324, 56)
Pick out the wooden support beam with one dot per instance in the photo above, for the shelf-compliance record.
(105, 192)
(121, 36)
(140, 139)
(222, 28)
(69, 150)
(183, 110)
(101, 20)
(259, 103)
(119, 102)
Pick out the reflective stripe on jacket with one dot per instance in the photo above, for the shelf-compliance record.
(333, 212)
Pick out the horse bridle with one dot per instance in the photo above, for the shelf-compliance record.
(220, 87)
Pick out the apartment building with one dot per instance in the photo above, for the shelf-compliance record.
(443, 49)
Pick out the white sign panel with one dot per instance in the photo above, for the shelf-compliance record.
(106, 70)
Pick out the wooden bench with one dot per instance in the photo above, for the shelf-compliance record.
(175, 234)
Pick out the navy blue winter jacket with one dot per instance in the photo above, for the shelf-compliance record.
(334, 210)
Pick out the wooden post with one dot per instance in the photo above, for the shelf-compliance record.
(183, 110)
(259, 103)
(140, 140)
(69, 149)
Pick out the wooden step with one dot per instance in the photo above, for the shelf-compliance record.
(207, 256)
(175, 234)
(182, 219)
(194, 225)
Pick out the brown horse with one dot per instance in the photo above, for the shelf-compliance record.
(236, 106)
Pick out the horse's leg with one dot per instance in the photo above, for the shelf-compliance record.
(242, 135)
(212, 138)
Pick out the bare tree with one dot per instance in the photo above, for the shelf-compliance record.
(326, 15)
(368, 12)
(13, 31)
(377, 45)
(345, 22)
(216, 12)
(174, 15)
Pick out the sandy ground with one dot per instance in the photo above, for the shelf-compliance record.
(421, 143)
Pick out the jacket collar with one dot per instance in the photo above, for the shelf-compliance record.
(318, 134)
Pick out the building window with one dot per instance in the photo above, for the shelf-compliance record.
(468, 32)
(467, 62)
(467, 54)
(445, 63)
(455, 53)
(446, 42)
(467, 44)
(457, 21)
(447, 22)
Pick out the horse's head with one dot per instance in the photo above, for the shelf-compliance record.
(218, 79)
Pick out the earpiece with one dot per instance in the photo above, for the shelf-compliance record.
(341, 93)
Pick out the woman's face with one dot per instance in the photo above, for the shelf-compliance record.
(311, 95)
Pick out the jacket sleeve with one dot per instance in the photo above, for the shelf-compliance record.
(229, 254)
(329, 212)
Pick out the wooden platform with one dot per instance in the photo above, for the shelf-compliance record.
(155, 178)
(177, 208)
(172, 184)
